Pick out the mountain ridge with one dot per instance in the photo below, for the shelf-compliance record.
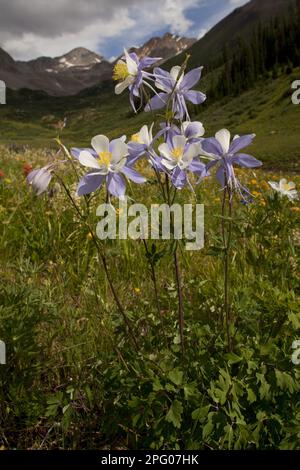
(78, 69)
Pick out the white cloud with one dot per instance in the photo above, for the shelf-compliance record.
(43, 27)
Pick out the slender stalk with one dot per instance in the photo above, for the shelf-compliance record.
(153, 275)
(180, 300)
(104, 263)
(227, 236)
(177, 273)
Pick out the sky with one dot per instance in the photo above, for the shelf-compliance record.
(33, 28)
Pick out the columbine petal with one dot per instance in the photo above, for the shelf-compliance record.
(120, 87)
(131, 64)
(165, 151)
(133, 175)
(168, 164)
(192, 151)
(191, 78)
(246, 161)
(179, 178)
(40, 179)
(86, 159)
(193, 129)
(75, 152)
(144, 136)
(239, 143)
(197, 167)
(100, 143)
(119, 150)
(179, 141)
(157, 102)
(148, 61)
(174, 72)
(90, 183)
(274, 185)
(116, 184)
(223, 137)
(195, 97)
(212, 146)
(220, 175)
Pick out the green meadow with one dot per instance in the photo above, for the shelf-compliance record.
(267, 110)
(84, 372)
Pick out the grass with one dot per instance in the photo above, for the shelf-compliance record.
(73, 379)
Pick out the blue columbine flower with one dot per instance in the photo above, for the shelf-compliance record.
(178, 157)
(40, 179)
(131, 74)
(108, 161)
(177, 87)
(193, 131)
(225, 154)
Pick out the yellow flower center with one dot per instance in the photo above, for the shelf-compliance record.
(136, 138)
(120, 71)
(177, 153)
(105, 158)
(286, 187)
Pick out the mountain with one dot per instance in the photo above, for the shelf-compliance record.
(165, 47)
(59, 76)
(79, 69)
(239, 23)
(79, 58)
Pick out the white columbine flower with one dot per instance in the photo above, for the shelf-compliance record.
(285, 189)
(126, 71)
(178, 153)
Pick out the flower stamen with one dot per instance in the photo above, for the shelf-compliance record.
(177, 153)
(105, 158)
(120, 71)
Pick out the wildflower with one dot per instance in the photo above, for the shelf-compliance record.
(27, 168)
(108, 161)
(176, 86)
(137, 290)
(285, 189)
(1, 174)
(225, 154)
(193, 131)
(130, 74)
(40, 179)
(178, 156)
(140, 143)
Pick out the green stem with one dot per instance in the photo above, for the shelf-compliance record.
(227, 236)
(102, 257)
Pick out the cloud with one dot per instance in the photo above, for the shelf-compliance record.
(42, 27)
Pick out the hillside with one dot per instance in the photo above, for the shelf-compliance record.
(79, 69)
(266, 110)
(239, 23)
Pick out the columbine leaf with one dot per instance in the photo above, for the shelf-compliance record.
(174, 414)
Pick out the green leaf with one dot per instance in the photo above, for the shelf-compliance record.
(200, 413)
(285, 381)
(176, 376)
(251, 397)
(174, 415)
(233, 358)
